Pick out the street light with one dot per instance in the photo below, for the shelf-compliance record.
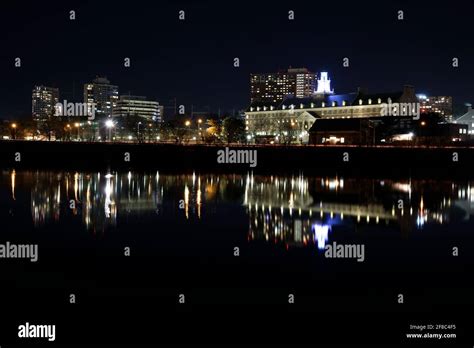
(138, 130)
(14, 130)
(77, 125)
(187, 123)
(109, 124)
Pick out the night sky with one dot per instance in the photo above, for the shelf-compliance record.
(193, 60)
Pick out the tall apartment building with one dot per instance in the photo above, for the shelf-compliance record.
(139, 106)
(274, 87)
(442, 105)
(103, 95)
(43, 100)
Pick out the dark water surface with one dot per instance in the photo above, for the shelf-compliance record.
(182, 231)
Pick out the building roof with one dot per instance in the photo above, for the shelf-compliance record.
(339, 125)
(330, 100)
(313, 113)
(468, 117)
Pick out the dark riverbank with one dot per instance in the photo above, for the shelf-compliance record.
(330, 160)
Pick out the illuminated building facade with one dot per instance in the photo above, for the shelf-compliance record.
(293, 117)
(274, 87)
(43, 100)
(138, 106)
(103, 95)
(442, 105)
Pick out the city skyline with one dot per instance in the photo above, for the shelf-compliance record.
(175, 67)
(252, 162)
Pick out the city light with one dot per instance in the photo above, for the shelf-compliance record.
(13, 125)
(187, 123)
(109, 124)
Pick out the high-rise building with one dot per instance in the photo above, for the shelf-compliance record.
(138, 106)
(103, 95)
(43, 101)
(274, 87)
(442, 105)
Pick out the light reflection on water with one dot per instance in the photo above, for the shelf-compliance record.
(294, 210)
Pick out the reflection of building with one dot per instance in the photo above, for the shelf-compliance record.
(300, 212)
(291, 210)
(43, 101)
(138, 106)
(442, 105)
(103, 95)
(274, 87)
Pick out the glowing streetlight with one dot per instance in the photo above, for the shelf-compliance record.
(138, 131)
(77, 125)
(14, 130)
(109, 124)
(187, 123)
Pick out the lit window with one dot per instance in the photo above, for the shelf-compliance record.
(360, 101)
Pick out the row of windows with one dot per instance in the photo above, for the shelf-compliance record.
(323, 104)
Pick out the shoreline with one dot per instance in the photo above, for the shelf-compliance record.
(429, 162)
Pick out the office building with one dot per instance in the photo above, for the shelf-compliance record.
(43, 101)
(138, 106)
(442, 105)
(274, 87)
(103, 95)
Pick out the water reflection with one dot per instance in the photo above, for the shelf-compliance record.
(294, 210)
